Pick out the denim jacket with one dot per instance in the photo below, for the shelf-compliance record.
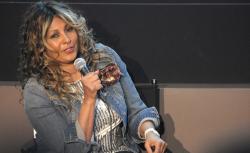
(56, 126)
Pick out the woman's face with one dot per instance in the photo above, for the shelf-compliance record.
(62, 41)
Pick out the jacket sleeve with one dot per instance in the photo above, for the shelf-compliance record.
(55, 131)
(137, 110)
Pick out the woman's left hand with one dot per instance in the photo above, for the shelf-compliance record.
(154, 144)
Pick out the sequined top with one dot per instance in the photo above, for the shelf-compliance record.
(107, 125)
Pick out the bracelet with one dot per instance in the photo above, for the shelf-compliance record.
(150, 130)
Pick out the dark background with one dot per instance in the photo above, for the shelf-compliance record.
(195, 41)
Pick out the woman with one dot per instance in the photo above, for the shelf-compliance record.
(72, 111)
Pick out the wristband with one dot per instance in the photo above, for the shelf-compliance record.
(150, 130)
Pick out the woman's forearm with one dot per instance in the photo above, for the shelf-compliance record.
(144, 126)
(86, 117)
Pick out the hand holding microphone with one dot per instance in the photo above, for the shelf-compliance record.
(90, 80)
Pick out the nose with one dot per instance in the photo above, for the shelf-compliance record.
(66, 38)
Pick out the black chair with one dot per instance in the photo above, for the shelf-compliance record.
(29, 147)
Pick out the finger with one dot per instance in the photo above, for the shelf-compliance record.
(98, 86)
(157, 148)
(164, 147)
(98, 81)
(87, 76)
(92, 84)
(97, 72)
(162, 143)
(95, 77)
(91, 77)
(94, 73)
(148, 148)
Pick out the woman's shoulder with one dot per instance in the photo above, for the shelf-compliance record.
(35, 95)
(111, 53)
(104, 48)
(32, 85)
(100, 46)
(32, 82)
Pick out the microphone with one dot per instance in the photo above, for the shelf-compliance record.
(80, 64)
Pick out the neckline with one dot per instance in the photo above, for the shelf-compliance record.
(75, 82)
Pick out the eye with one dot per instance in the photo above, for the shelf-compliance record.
(54, 35)
(69, 29)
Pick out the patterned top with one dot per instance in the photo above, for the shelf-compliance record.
(107, 125)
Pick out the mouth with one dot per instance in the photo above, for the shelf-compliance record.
(69, 49)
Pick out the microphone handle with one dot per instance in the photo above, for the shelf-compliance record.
(84, 70)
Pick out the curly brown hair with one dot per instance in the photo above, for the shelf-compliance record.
(33, 61)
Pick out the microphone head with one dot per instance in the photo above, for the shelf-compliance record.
(79, 63)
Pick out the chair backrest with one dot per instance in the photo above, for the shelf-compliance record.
(30, 146)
